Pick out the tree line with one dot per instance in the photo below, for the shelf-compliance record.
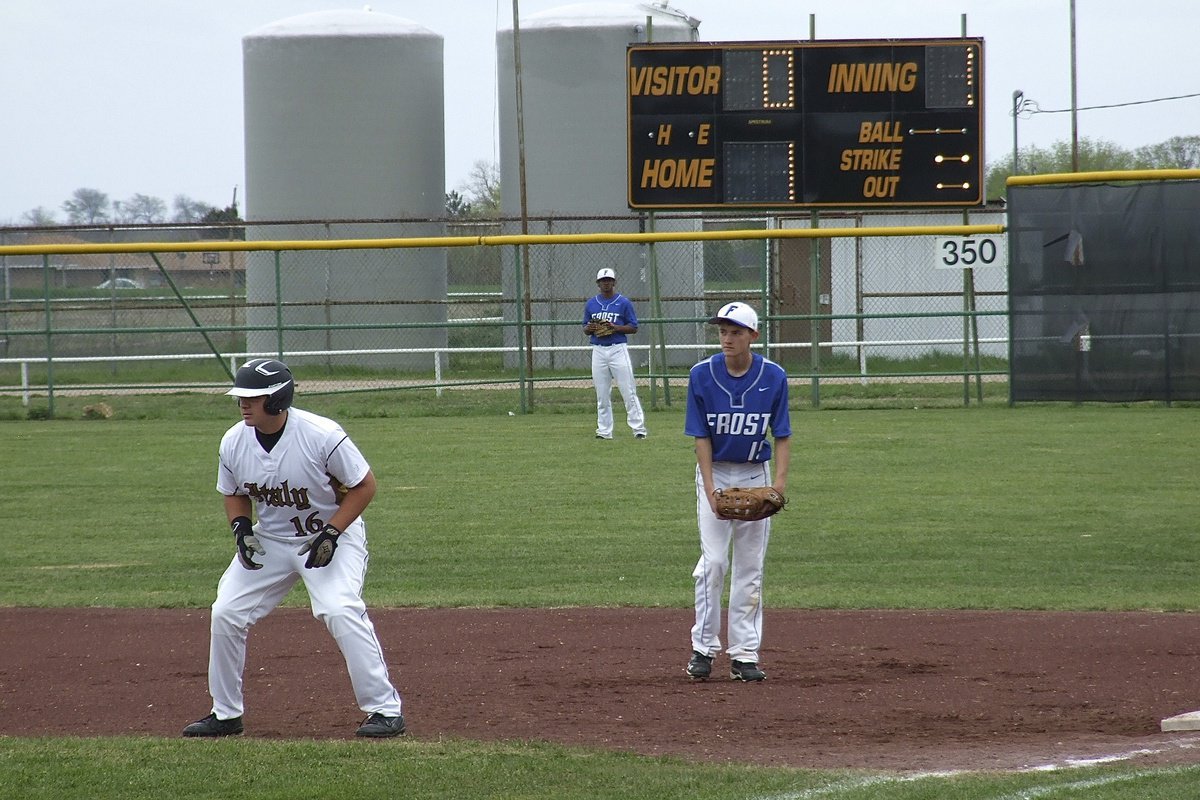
(479, 196)
(88, 206)
(1094, 155)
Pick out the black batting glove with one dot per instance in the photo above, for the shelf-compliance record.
(320, 549)
(247, 542)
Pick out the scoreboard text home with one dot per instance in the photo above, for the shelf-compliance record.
(894, 122)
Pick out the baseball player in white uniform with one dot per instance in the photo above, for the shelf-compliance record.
(292, 468)
(610, 355)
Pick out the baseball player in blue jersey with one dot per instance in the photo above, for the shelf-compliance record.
(307, 484)
(734, 398)
(608, 319)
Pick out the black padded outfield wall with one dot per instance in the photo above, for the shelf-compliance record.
(1104, 292)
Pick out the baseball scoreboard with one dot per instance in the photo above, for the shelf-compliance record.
(809, 124)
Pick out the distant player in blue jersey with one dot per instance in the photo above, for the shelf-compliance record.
(610, 355)
(734, 398)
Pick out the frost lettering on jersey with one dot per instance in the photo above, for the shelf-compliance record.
(606, 316)
(281, 496)
(738, 423)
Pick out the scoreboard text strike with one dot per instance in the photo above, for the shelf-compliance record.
(896, 122)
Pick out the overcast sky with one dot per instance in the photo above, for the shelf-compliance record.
(145, 96)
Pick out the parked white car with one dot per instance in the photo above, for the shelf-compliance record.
(121, 283)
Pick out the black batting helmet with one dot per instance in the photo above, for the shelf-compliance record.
(265, 377)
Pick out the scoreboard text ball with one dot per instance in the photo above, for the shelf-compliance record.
(835, 123)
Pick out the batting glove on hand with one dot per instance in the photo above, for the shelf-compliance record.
(320, 550)
(247, 542)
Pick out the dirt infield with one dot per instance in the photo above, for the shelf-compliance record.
(873, 689)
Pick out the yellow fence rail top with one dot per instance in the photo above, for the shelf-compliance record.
(495, 241)
(1108, 175)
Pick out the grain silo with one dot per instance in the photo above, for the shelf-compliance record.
(344, 127)
(574, 102)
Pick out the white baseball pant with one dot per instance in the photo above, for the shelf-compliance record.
(749, 544)
(608, 364)
(246, 596)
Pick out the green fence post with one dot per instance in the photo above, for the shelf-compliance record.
(765, 283)
(522, 373)
(49, 335)
(814, 308)
(278, 306)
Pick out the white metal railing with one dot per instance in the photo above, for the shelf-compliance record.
(26, 388)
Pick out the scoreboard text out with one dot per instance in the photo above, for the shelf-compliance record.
(848, 124)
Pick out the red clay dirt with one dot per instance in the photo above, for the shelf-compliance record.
(894, 690)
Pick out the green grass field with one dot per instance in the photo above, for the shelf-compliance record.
(1034, 507)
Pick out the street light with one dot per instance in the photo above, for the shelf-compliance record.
(1017, 97)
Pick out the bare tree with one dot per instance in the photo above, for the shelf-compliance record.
(87, 206)
(141, 208)
(39, 217)
(189, 210)
(482, 190)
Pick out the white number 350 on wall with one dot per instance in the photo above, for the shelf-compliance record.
(961, 252)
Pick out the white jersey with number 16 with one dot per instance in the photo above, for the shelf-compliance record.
(290, 485)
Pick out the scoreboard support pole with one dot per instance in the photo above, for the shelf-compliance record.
(658, 336)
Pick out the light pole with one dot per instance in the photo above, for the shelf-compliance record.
(1074, 104)
(1017, 97)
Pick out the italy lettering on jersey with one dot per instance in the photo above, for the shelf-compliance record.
(736, 414)
(618, 311)
(290, 485)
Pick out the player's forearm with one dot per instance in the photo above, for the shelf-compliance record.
(354, 503)
(237, 505)
(783, 460)
(704, 460)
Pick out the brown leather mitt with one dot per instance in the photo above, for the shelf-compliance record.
(748, 503)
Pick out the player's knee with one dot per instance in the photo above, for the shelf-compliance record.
(340, 621)
(711, 569)
(226, 619)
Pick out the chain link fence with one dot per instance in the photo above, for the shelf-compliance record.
(436, 304)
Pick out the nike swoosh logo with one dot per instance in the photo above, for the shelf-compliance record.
(763, 388)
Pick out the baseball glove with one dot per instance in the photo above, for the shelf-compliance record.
(748, 503)
(600, 328)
